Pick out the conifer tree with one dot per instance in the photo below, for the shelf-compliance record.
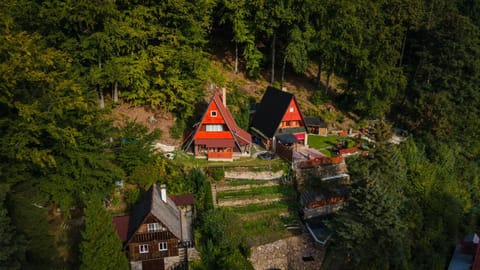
(100, 247)
(12, 251)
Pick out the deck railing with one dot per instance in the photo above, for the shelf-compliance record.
(220, 155)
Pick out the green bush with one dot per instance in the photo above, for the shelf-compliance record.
(132, 196)
(319, 97)
(216, 173)
(176, 131)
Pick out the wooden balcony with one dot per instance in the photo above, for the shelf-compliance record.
(151, 236)
(220, 155)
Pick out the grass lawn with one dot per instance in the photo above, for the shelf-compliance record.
(267, 227)
(265, 223)
(325, 143)
(190, 161)
(281, 206)
(236, 183)
(254, 192)
(322, 142)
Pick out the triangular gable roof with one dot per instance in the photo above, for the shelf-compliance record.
(240, 136)
(271, 110)
(166, 212)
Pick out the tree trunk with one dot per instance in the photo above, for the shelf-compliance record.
(273, 59)
(283, 71)
(327, 85)
(236, 57)
(99, 90)
(319, 74)
(403, 49)
(100, 94)
(115, 92)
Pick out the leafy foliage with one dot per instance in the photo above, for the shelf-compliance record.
(223, 243)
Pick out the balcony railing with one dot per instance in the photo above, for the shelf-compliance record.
(287, 130)
(150, 236)
(218, 155)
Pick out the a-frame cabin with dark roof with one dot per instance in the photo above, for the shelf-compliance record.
(154, 231)
(278, 119)
(217, 136)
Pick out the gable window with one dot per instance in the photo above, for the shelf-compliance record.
(214, 128)
(143, 248)
(153, 227)
(292, 109)
(162, 246)
(213, 113)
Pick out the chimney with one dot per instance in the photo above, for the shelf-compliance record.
(224, 96)
(163, 192)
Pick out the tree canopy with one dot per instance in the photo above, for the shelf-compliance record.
(64, 64)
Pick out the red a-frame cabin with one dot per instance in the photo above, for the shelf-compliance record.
(217, 136)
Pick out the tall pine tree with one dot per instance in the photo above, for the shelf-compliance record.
(12, 250)
(101, 248)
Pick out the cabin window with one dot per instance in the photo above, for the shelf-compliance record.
(292, 109)
(153, 227)
(213, 113)
(162, 246)
(143, 248)
(214, 128)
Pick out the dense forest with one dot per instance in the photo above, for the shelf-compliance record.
(64, 64)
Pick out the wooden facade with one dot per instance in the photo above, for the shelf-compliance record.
(155, 231)
(217, 136)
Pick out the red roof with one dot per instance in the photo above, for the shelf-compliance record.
(181, 200)
(241, 135)
(234, 133)
(121, 226)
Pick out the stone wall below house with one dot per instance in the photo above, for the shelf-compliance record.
(296, 252)
(137, 265)
(266, 175)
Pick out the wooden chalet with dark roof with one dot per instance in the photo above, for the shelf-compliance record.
(217, 136)
(278, 119)
(155, 230)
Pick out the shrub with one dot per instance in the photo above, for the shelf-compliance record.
(176, 131)
(132, 196)
(319, 97)
(216, 173)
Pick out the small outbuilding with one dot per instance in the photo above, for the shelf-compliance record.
(316, 126)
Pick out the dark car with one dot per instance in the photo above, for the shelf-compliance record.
(266, 156)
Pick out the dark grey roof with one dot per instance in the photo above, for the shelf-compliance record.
(140, 211)
(315, 122)
(270, 111)
(166, 212)
(287, 138)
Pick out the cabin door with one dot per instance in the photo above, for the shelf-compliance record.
(153, 265)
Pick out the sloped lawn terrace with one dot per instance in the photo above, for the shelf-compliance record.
(265, 223)
(284, 191)
(190, 161)
(325, 144)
